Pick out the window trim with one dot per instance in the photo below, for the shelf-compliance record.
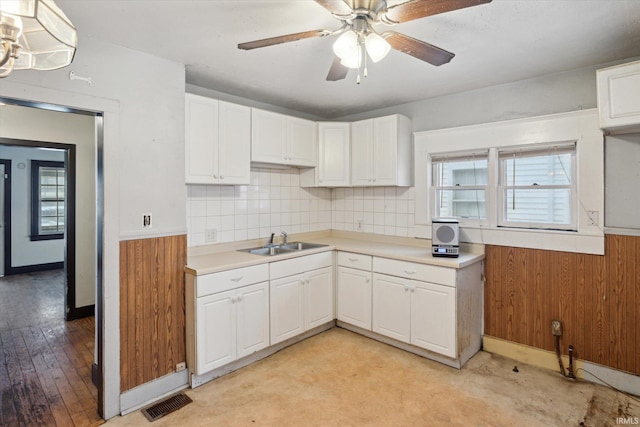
(35, 200)
(581, 126)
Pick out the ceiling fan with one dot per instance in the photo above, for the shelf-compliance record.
(357, 35)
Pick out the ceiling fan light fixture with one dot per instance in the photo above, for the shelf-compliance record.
(346, 46)
(354, 60)
(47, 41)
(377, 46)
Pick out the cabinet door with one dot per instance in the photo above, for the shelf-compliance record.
(361, 154)
(253, 318)
(433, 317)
(268, 136)
(619, 97)
(391, 307)
(354, 297)
(302, 137)
(385, 150)
(234, 147)
(318, 297)
(201, 140)
(215, 331)
(287, 308)
(334, 150)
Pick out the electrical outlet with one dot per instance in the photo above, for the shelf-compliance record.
(181, 366)
(556, 327)
(594, 217)
(146, 220)
(211, 235)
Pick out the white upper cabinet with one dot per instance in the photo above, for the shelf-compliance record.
(281, 139)
(218, 142)
(333, 168)
(381, 152)
(619, 98)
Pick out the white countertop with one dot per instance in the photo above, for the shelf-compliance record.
(215, 258)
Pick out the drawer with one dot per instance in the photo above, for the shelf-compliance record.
(359, 261)
(412, 270)
(299, 265)
(231, 279)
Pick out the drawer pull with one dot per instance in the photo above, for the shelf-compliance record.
(410, 272)
(353, 259)
(237, 279)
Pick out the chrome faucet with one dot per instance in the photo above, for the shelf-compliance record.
(284, 237)
(271, 239)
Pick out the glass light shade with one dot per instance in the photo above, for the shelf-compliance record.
(354, 60)
(48, 39)
(377, 47)
(346, 46)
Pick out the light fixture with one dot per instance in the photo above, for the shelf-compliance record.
(34, 34)
(349, 46)
(377, 46)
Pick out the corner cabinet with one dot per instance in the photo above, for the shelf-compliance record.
(284, 140)
(302, 295)
(381, 152)
(218, 142)
(227, 316)
(619, 98)
(334, 164)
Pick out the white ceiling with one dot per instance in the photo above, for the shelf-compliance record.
(498, 42)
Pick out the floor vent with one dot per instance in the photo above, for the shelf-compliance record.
(167, 406)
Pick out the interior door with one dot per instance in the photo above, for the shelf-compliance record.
(2, 178)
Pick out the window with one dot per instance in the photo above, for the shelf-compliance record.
(47, 200)
(460, 183)
(537, 187)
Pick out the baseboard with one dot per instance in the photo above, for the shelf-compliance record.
(80, 312)
(583, 369)
(33, 268)
(141, 396)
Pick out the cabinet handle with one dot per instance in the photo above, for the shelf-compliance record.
(233, 300)
(406, 289)
(410, 272)
(368, 280)
(215, 176)
(237, 279)
(221, 177)
(239, 298)
(353, 259)
(413, 289)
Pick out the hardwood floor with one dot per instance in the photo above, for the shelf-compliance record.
(45, 361)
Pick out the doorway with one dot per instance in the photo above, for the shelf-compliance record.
(79, 302)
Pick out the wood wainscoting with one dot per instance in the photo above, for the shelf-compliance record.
(152, 310)
(597, 299)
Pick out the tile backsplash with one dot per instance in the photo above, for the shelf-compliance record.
(274, 202)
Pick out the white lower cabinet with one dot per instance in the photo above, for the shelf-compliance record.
(227, 316)
(302, 295)
(232, 324)
(354, 297)
(418, 313)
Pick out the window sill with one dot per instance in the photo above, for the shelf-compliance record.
(552, 240)
(39, 237)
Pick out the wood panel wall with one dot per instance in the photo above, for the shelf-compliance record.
(597, 299)
(152, 312)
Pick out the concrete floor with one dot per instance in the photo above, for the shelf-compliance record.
(339, 378)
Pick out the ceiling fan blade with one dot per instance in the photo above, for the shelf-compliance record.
(419, 49)
(337, 71)
(283, 39)
(416, 9)
(336, 7)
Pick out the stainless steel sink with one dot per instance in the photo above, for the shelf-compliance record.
(286, 248)
(301, 246)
